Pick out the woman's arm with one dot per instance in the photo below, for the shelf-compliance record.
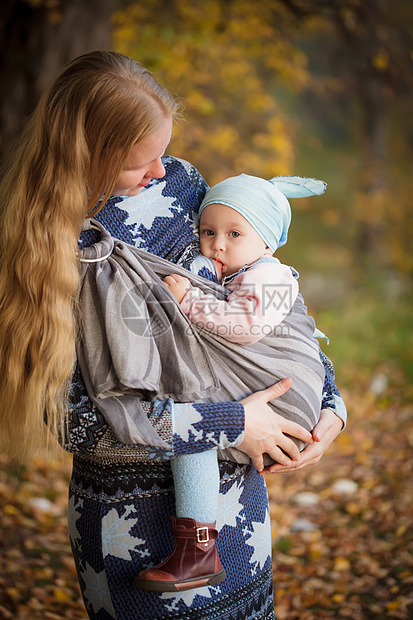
(331, 396)
(186, 427)
(249, 425)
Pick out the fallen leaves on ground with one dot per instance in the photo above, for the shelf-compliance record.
(342, 530)
(37, 573)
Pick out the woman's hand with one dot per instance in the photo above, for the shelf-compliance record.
(178, 285)
(324, 433)
(265, 430)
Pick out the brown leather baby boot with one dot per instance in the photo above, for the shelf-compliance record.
(193, 563)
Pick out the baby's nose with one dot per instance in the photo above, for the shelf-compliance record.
(218, 243)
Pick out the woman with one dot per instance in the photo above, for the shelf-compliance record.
(100, 130)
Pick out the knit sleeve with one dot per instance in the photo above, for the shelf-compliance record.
(331, 398)
(188, 428)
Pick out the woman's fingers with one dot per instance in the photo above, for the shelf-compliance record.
(327, 430)
(281, 450)
(309, 456)
(296, 431)
(266, 432)
(276, 390)
(276, 454)
(264, 396)
(328, 426)
(257, 460)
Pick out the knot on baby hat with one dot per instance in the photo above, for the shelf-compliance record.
(263, 203)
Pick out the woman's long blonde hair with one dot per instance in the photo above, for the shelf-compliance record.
(70, 154)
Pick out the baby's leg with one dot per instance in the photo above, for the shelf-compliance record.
(196, 480)
(194, 561)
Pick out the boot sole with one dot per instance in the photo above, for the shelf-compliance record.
(180, 586)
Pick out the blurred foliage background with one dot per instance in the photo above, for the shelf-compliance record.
(315, 88)
(320, 88)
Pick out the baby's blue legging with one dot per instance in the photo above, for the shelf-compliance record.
(196, 480)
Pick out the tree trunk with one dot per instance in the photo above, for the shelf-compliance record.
(36, 39)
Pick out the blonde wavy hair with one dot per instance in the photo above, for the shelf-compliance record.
(69, 156)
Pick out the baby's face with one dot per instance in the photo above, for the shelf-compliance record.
(227, 237)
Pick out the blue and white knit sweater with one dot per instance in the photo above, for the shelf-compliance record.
(121, 497)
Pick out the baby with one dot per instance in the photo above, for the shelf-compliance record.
(240, 230)
(243, 221)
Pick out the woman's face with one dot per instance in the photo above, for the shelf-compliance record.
(144, 162)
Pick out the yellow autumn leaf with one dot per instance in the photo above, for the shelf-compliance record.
(341, 564)
(352, 508)
(62, 595)
(13, 593)
(393, 605)
(381, 60)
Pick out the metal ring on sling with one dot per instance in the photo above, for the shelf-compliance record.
(97, 226)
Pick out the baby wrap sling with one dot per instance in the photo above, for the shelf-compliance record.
(136, 344)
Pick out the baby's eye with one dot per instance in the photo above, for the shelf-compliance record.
(208, 233)
(234, 233)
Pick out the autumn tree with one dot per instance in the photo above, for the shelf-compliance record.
(221, 59)
(253, 78)
(251, 75)
(366, 51)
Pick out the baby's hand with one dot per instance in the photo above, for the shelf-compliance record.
(178, 285)
(218, 269)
